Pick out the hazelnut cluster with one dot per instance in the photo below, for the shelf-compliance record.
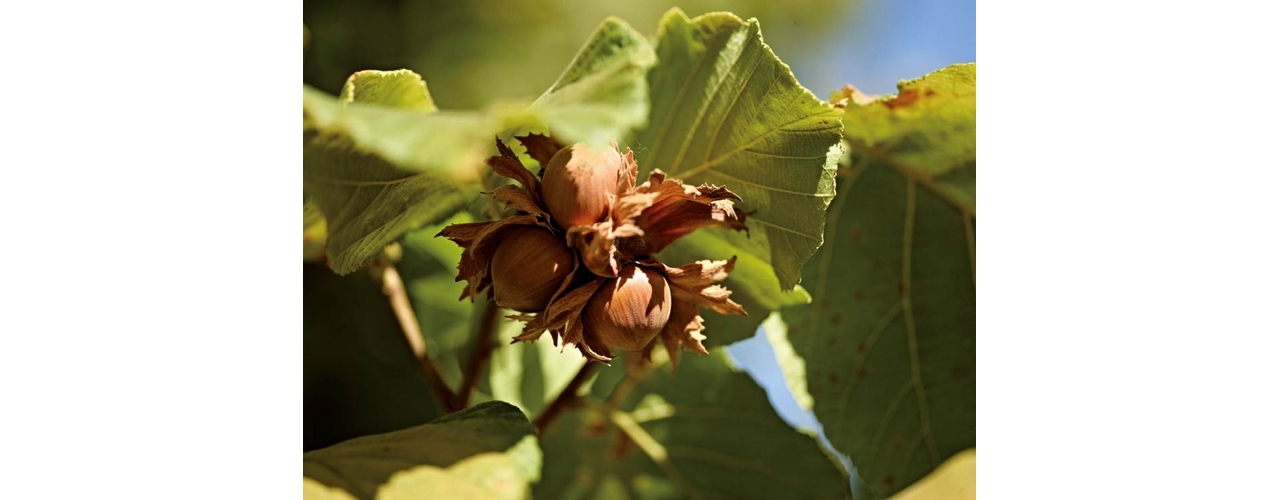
(579, 256)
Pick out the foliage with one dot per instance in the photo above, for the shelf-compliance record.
(889, 341)
(412, 393)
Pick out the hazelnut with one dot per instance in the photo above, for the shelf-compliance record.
(578, 182)
(627, 312)
(528, 267)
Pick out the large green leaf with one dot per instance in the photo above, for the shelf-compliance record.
(709, 431)
(381, 160)
(889, 340)
(361, 465)
(726, 111)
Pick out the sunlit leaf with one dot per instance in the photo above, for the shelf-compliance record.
(955, 479)
(361, 465)
(889, 341)
(726, 111)
(486, 476)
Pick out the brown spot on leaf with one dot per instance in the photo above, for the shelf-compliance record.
(833, 379)
(831, 340)
(835, 319)
(959, 372)
(898, 444)
(862, 371)
(906, 98)
(863, 348)
(856, 234)
(859, 296)
(888, 481)
(822, 305)
(902, 287)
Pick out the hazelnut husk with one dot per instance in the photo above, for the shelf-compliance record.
(528, 267)
(627, 312)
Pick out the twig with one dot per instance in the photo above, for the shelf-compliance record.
(393, 287)
(482, 348)
(566, 398)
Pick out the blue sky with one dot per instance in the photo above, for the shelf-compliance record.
(884, 41)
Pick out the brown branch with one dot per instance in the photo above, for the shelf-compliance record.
(482, 346)
(394, 289)
(567, 398)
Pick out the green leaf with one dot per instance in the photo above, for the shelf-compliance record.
(380, 160)
(709, 431)
(726, 111)
(367, 200)
(487, 476)
(530, 375)
(602, 96)
(360, 465)
(927, 132)
(889, 340)
(359, 374)
(402, 89)
(315, 490)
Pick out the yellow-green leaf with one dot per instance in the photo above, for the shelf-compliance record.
(361, 465)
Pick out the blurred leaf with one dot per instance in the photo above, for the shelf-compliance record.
(360, 465)
(889, 341)
(359, 374)
(707, 432)
(314, 234)
(602, 96)
(752, 282)
(955, 479)
(726, 111)
(368, 202)
(315, 490)
(402, 89)
(530, 375)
